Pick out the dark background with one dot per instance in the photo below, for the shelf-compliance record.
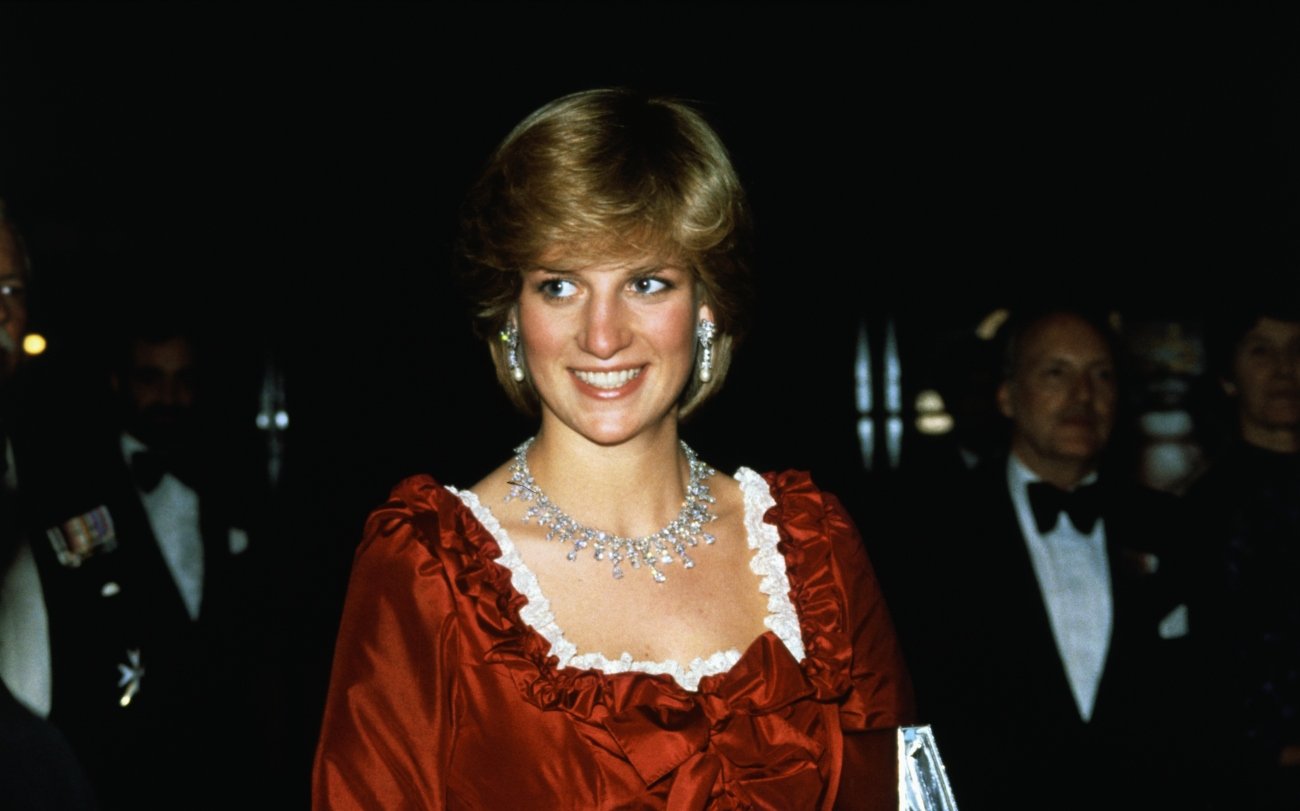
(285, 178)
(289, 174)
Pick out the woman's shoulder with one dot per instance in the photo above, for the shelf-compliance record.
(794, 494)
(815, 529)
(812, 523)
(423, 519)
(413, 499)
(830, 577)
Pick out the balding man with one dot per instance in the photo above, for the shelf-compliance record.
(1049, 667)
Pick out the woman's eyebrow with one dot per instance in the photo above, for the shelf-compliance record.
(659, 267)
(629, 270)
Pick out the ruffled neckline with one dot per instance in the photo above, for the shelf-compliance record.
(767, 562)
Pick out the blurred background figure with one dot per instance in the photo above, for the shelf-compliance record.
(37, 766)
(1248, 510)
(149, 571)
(1043, 624)
(156, 381)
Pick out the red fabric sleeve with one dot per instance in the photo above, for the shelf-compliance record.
(852, 655)
(389, 718)
(881, 698)
(882, 688)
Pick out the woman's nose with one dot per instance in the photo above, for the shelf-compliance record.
(605, 328)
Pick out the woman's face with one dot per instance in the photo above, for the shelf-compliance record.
(1266, 377)
(609, 346)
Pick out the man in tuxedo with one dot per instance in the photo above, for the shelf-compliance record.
(145, 563)
(1046, 652)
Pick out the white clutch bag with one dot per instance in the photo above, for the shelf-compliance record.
(922, 781)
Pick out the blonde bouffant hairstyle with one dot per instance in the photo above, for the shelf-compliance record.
(599, 175)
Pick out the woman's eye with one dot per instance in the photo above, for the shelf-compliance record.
(649, 285)
(557, 288)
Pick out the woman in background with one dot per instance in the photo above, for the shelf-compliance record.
(604, 621)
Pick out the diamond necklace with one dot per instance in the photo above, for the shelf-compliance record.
(652, 551)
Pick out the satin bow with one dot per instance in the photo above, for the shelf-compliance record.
(716, 742)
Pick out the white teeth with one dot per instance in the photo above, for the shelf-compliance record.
(607, 380)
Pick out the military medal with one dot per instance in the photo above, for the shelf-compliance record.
(130, 676)
(82, 537)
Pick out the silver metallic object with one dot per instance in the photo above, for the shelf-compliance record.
(922, 780)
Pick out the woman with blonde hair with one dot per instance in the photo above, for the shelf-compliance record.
(605, 621)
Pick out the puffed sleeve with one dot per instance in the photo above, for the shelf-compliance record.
(881, 698)
(853, 657)
(389, 718)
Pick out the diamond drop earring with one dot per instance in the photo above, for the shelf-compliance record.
(510, 337)
(705, 332)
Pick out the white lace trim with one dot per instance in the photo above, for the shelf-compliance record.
(767, 562)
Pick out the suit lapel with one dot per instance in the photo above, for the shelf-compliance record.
(1134, 594)
(1040, 657)
(152, 576)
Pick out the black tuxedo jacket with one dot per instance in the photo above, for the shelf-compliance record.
(991, 680)
(37, 767)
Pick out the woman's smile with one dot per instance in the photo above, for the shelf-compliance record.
(609, 383)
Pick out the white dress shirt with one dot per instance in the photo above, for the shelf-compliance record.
(1074, 578)
(25, 664)
(173, 511)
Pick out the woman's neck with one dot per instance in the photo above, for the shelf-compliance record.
(632, 489)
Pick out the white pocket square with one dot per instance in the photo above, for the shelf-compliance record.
(1174, 625)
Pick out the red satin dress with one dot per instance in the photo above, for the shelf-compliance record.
(442, 696)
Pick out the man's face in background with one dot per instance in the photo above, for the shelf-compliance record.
(13, 304)
(159, 390)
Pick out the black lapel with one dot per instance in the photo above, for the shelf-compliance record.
(151, 573)
(1039, 661)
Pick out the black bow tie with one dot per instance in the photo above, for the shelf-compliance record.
(1082, 504)
(149, 466)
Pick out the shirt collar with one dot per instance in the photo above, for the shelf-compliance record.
(131, 445)
(1019, 474)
